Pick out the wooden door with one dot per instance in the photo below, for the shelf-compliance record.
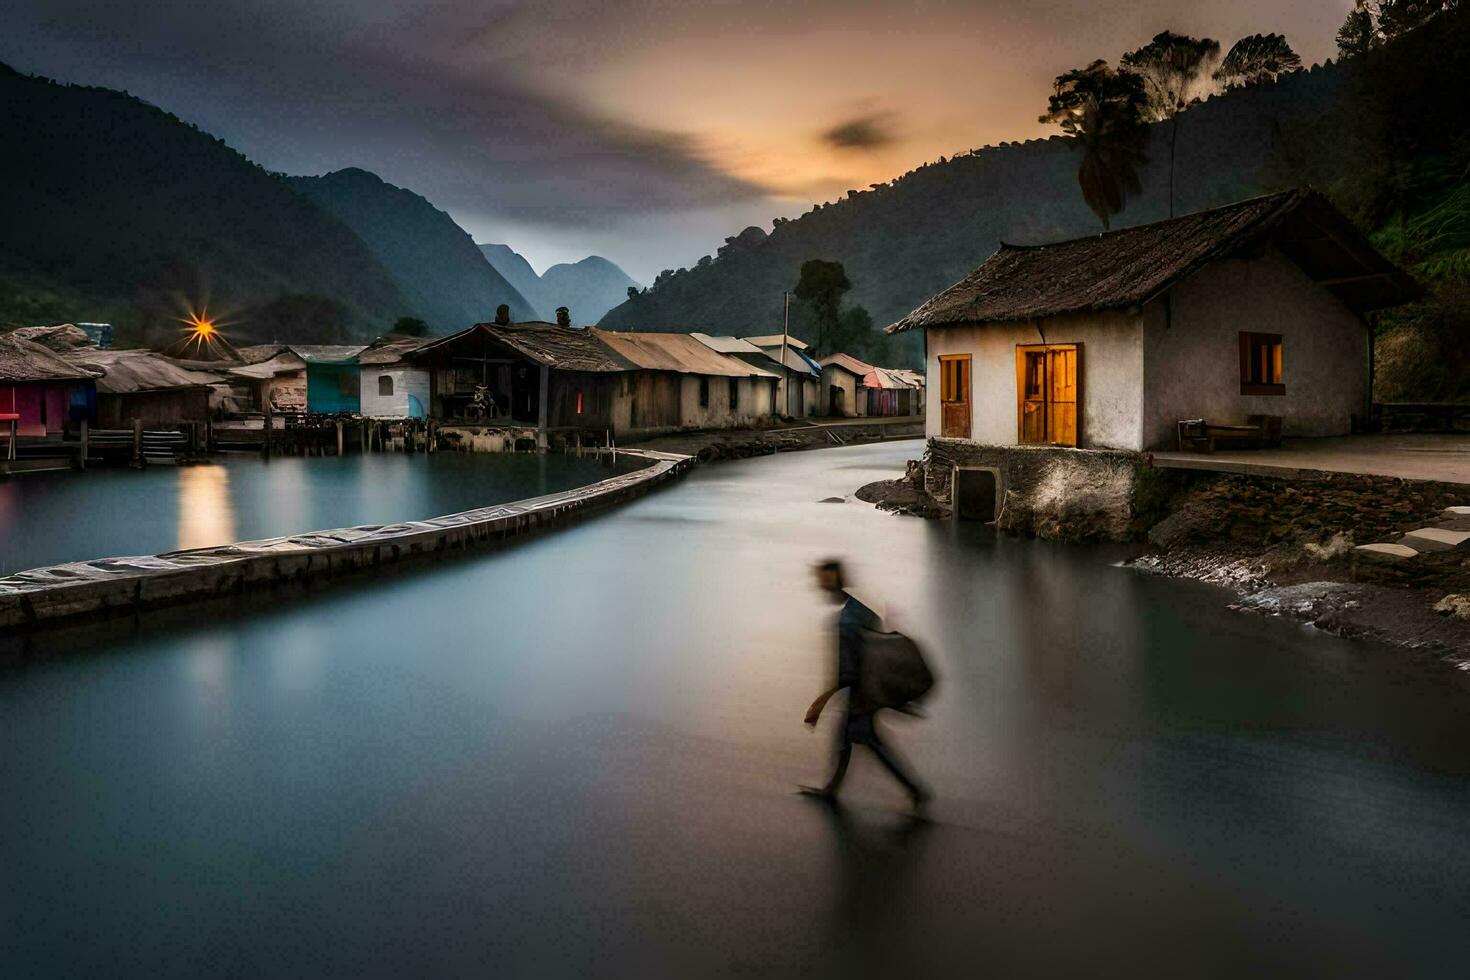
(1061, 399)
(954, 396)
(1047, 394)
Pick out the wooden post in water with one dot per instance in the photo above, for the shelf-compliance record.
(82, 454)
(541, 414)
(339, 437)
(137, 462)
(269, 429)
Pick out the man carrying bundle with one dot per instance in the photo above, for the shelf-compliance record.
(879, 670)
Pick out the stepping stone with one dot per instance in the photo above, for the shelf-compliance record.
(1435, 539)
(1450, 513)
(1383, 551)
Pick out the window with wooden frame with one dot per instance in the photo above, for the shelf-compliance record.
(954, 378)
(734, 393)
(704, 392)
(1260, 364)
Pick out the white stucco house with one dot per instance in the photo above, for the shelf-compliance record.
(392, 387)
(1249, 311)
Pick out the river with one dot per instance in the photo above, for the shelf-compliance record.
(577, 756)
(49, 518)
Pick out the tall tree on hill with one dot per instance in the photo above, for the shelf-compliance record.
(1257, 59)
(821, 288)
(1103, 110)
(1372, 22)
(1359, 33)
(1175, 69)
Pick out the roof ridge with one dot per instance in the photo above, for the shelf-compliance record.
(1304, 192)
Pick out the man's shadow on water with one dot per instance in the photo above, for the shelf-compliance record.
(876, 874)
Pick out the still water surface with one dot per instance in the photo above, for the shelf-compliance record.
(50, 518)
(576, 756)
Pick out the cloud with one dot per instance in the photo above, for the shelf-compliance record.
(314, 88)
(868, 131)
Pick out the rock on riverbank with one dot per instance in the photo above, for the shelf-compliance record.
(1286, 547)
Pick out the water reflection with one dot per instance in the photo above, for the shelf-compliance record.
(206, 512)
(579, 753)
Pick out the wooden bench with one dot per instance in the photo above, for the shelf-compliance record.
(1201, 435)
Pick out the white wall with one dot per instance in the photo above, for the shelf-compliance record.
(1192, 358)
(833, 376)
(406, 381)
(1110, 375)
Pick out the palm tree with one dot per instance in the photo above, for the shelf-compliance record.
(1256, 59)
(1175, 69)
(1103, 109)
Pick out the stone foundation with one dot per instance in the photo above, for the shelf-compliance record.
(1071, 494)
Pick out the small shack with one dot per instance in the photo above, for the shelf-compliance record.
(391, 385)
(842, 381)
(681, 383)
(142, 385)
(1248, 316)
(41, 392)
(799, 377)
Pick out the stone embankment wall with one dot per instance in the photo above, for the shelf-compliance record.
(110, 586)
(1118, 496)
(1051, 492)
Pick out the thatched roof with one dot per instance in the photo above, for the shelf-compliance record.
(563, 348)
(61, 338)
(125, 372)
(22, 360)
(391, 349)
(193, 347)
(677, 352)
(1134, 265)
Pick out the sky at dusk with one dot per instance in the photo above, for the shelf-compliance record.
(642, 130)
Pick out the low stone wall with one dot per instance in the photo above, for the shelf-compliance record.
(109, 586)
(1052, 492)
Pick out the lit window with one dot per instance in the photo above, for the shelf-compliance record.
(1260, 364)
(579, 403)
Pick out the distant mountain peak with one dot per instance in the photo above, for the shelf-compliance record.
(588, 287)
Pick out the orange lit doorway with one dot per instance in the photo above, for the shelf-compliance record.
(954, 396)
(1046, 394)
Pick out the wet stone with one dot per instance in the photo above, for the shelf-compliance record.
(1436, 539)
(1383, 551)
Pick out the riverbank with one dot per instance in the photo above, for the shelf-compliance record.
(1284, 547)
(709, 445)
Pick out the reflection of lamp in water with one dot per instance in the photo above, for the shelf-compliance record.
(206, 516)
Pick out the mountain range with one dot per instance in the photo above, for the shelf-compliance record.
(116, 210)
(447, 281)
(588, 289)
(1354, 130)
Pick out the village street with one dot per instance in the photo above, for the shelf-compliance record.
(578, 755)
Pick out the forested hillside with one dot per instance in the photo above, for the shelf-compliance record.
(447, 280)
(1380, 133)
(117, 210)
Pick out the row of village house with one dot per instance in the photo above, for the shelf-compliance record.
(1245, 318)
(538, 375)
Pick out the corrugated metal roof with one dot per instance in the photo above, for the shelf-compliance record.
(327, 353)
(22, 360)
(726, 345)
(847, 362)
(774, 340)
(680, 352)
(795, 361)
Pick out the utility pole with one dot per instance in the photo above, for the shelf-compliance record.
(785, 371)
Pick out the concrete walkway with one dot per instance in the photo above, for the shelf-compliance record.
(1444, 458)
